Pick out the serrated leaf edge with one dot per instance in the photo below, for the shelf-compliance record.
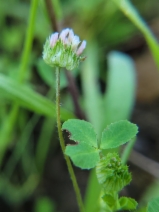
(108, 127)
(129, 199)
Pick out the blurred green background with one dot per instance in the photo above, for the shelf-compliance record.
(33, 174)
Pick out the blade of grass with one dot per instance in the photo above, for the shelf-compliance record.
(26, 97)
(9, 123)
(44, 141)
(20, 147)
(130, 11)
(17, 194)
(45, 137)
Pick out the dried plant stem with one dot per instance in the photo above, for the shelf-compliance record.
(62, 143)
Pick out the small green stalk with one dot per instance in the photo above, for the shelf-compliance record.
(62, 143)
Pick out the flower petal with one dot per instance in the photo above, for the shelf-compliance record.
(64, 34)
(81, 48)
(53, 39)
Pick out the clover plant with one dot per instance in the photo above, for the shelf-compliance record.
(88, 150)
(87, 153)
(64, 50)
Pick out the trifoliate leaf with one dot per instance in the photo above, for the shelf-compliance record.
(153, 205)
(117, 134)
(127, 203)
(83, 155)
(81, 131)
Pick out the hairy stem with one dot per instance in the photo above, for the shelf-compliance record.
(51, 8)
(62, 143)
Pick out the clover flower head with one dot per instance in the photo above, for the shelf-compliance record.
(64, 49)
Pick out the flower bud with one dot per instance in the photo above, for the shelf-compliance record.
(64, 50)
(111, 173)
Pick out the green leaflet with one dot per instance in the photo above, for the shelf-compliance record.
(127, 203)
(117, 134)
(109, 199)
(124, 203)
(81, 131)
(83, 155)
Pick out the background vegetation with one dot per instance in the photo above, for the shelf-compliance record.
(33, 176)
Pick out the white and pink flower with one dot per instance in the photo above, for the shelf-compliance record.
(64, 49)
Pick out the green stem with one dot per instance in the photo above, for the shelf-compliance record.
(62, 143)
(127, 151)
